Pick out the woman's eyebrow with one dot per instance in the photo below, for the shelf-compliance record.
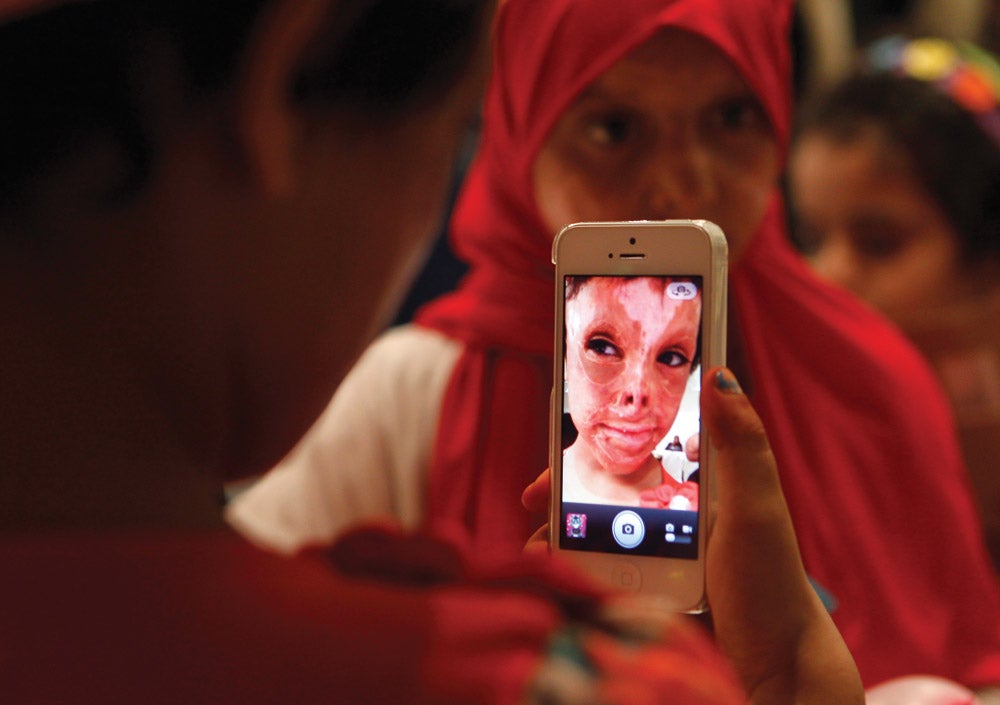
(599, 93)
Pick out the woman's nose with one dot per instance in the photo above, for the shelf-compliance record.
(634, 389)
(836, 262)
(678, 182)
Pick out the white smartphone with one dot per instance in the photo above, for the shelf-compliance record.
(640, 312)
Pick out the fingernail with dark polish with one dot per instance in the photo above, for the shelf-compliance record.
(726, 382)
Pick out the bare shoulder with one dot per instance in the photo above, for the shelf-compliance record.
(411, 353)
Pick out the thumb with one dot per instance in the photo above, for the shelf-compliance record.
(756, 584)
(535, 497)
(750, 507)
(745, 469)
(767, 618)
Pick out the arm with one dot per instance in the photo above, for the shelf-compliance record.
(768, 620)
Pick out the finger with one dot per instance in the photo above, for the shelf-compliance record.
(767, 618)
(539, 541)
(748, 489)
(756, 582)
(746, 472)
(728, 413)
(535, 497)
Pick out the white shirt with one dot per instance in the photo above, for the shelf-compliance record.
(367, 456)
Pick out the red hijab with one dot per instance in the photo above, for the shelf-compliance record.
(861, 431)
(494, 429)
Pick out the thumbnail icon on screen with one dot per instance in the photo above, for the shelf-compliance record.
(576, 526)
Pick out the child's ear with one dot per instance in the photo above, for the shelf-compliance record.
(268, 130)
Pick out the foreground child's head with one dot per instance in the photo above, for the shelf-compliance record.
(203, 204)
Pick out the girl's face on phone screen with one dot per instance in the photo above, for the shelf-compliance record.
(630, 343)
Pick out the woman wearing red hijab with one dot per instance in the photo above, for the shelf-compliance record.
(695, 125)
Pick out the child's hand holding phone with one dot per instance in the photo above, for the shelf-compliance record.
(766, 617)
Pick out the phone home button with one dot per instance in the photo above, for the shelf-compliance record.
(627, 577)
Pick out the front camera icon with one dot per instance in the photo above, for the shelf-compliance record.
(682, 291)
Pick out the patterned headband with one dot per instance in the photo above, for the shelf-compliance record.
(965, 73)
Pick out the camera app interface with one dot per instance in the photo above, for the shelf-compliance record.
(631, 421)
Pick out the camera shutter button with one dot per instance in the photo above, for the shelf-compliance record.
(628, 529)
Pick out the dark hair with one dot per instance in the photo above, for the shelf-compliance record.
(955, 160)
(71, 73)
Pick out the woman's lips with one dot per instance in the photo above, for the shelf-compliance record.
(629, 436)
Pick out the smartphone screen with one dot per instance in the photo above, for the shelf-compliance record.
(630, 418)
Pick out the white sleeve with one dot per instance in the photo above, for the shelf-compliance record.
(368, 454)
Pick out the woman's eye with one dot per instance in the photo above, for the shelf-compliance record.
(807, 237)
(610, 130)
(672, 358)
(739, 114)
(602, 347)
(879, 245)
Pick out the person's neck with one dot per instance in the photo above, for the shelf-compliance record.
(85, 442)
(597, 480)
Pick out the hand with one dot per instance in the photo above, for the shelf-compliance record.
(535, 499)
(768, 620)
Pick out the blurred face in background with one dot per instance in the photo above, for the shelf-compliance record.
(669, 131)
(870, 225)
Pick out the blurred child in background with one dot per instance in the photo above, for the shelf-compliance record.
(895, 179)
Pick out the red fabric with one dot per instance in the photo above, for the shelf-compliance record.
(206, 618)
(203, 617)
(861, 431)
(662, 495)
